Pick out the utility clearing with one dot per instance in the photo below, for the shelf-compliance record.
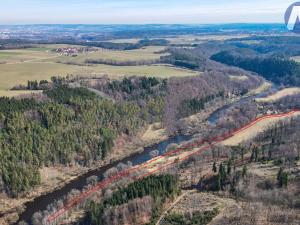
(173, 157)
(254, 130)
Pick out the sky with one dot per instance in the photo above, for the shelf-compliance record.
(142, 11)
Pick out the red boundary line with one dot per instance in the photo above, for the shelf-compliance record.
(127, 172)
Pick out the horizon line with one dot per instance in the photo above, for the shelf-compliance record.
(143, 24)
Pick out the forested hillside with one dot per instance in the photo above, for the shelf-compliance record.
(153, 190)
(68, 126)
(276, 69)
(74, 126)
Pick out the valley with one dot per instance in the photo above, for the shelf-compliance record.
(197, 128)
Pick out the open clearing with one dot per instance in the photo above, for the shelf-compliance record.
(254, 130)
(154, 133)
(279, 95)
(239, 78)
(19, 66)
(265, 86)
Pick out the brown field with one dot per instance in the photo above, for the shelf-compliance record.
(154, 133)
(254, 130)
(239, 78)
(265, 86)
(279, 95)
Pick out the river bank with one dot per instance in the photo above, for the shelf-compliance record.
(54, 178)
(136, 153)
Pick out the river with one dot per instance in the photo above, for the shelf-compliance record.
(40, 203)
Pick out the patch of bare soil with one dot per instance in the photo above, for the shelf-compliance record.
(254, 130)
(200, 202)
(257, 214)
(279, 95)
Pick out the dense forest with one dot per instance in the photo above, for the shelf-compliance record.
(270, 45)
(276, 69)
(171, 100)
(157, 188)
(122, 63)
(185, 58)
(72, 126)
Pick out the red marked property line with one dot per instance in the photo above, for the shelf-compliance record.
(126, 173)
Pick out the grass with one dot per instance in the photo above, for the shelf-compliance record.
(265, 86)
(19, 66)
(279, 95)
(23, 55)
(253, 131)
(154, 133)
(239, 78)
(148, 53)
(8, 93)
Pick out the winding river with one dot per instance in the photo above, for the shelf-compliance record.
(40, 203)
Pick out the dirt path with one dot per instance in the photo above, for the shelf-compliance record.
(171, 207)
(34, 60)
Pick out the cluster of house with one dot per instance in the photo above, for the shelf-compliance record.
(71, 51)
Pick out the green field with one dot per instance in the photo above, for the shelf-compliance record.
(147, 53)
(19, 66)
(185, 39)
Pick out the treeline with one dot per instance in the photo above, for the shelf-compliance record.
(136, 88)
(12, 105)
(159, 188)
(286, 46)
(195, 105)
(6, 44)
(193, 94)
(63, 94)
(128, 46)
(122, 63)
(113, 45)
(280, 142)
(147, 92)
(276, 69)
(185, 58)
(43, 84)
